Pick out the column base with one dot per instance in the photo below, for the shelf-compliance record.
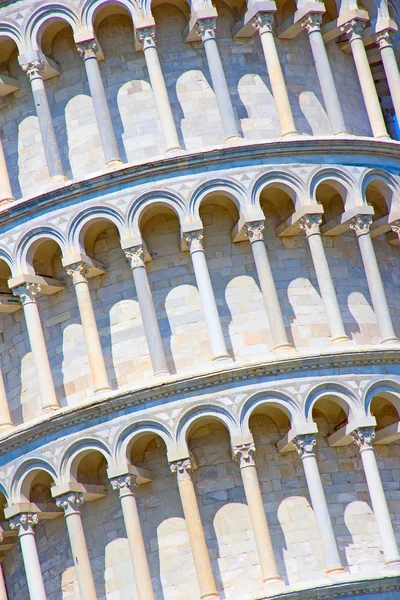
(390, 340)
(173, 150)
(382, 137)
(6, 426)
(165, 373)
(233, 138)
(50, 408)
(273, 585)
(106, 388)
(341, 133)
(292, 133)
(334, 571)
(210, 596)
(340, 339)
(283, 347)
(6, 201)
(115, 163)
(393, 564)
(225, 358)
(58, 179)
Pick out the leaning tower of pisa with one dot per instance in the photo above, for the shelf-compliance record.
(200, 300)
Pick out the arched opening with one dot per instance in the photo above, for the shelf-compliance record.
(330, 412)
(90, 467)
(277, 201)
(379, 196)
(5, 275)
(44, 257)
(98, 236)
(385, 407)
(332, 196)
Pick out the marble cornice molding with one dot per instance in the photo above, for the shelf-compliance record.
(116, 401)
(189, 163)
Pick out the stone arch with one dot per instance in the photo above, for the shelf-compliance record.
(386, 183)
(23, 476)
(339, 180)
(199, 413)
(30, 242)
(89, 9)
(10, 30)
(223, 187)
(130, 434)
(74, 454)
(6, 257)
(151, 200)
(45, 16)
(290, 183)
(339, 393)
(274, 399)
(82, 221)
(389, 389)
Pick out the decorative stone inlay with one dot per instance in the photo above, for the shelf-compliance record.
(182, 468)
(353, 29)
(245, 454)
(254, 230)
(135, 256)
(24, 522)
(363, 437)
(384, 38)
(70, 502)
(194, 240)
(361, 224)
(147, 36)
(305, 444)
(125, 484)
(34, 69)
(310, 224)
(78, 271)
(27, 292)
(396, 228)
(87, 49)
(206, 28)
(263, 22)
(312, 22)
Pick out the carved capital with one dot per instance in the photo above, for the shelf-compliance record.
(310, 224)
(87, 49)
(206, 28)
(135, 256)
(254, 230)
(263, 22)
(384, 39)
(182, 468)
(125, 484)
(312, 22)
(70, 502)
(34, 69)
(396, 228)
(353, 29)
(24, 523)
(363, 437)
(147, 37)
(27, 292)
(194, 240)
(78, 271)
(305, 444)
(361, 224)
(245, 454)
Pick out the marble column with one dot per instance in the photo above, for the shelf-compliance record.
(3, 589)
(310, 224)
(385, 44)
(147, 37)
(135, 257)
(304, 445)
(35, 70)
(353, 31)
(27, 294)
(88, 51)
(206, 29)
(6, 196)
(363, 438)
(201, 558)
(70, 503)
(312, 24)
(78, 272)
(245, 455)
(210, 311)
(254, 232)
(262, 23)
(360, 225)
(5, 417)
(25, 524)
(126, 487)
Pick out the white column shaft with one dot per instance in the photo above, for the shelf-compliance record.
(392, 75)
(5, 417)
(32, 566)
(3, 590)
(80, 556)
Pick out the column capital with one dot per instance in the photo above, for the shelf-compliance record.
(34, 69)
(194, 240)
(363, 437)
(353, 29)
(360, 224)
(125, 484)
(245, 454)
(263, 22)
(312, 22)
(384, 38)
(24, 522)
(310, 224)
(182, 468)
(135, 255)
(87, 49)
(70, 502)
(27, 292)
(147, 36)
(206, 28)
(305, 444)
(254, 230)
(395, 226)
(78, 271)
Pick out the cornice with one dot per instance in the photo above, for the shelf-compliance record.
(355, 589)
(117, 401)
(295, 150)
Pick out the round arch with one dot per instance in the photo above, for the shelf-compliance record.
(340, 394)
(23, 476)
(30, 242)
(38, 21)
(222, 187)
(200, 413)
(90, 8)
(10, 30)
(382, 387)
(130, 434)
(81, 222)
(73, 455)
(340, 181)
(288, 182)
(385, 183)
(151, 200)
(273, 399)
